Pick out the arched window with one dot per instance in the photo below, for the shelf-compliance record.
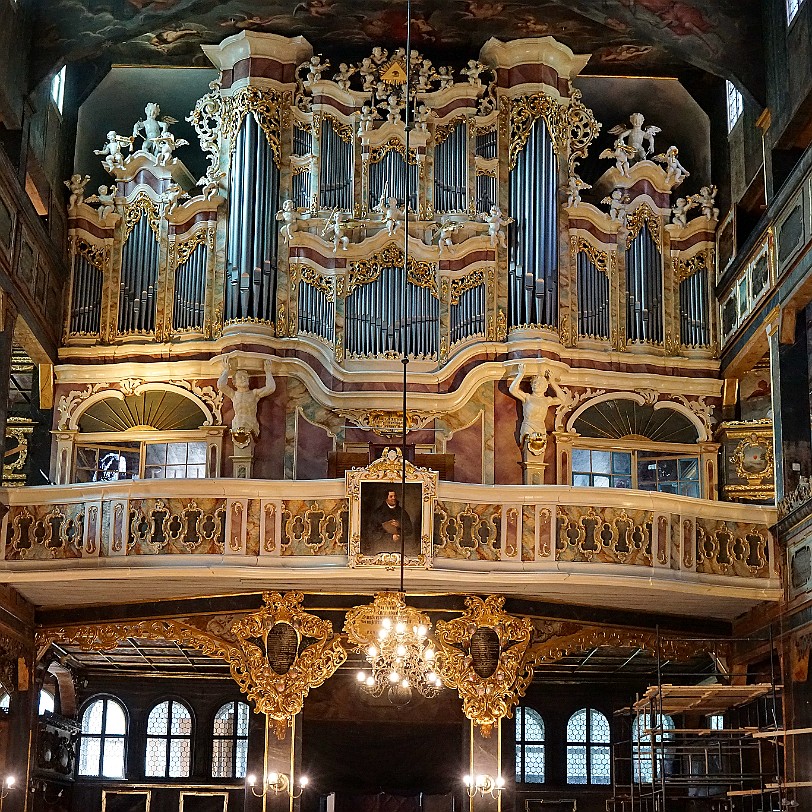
(529, 746)
(169, 741)
(103, 737)
(46, 702)
(588, 758)
(230, 752)
(648, 760)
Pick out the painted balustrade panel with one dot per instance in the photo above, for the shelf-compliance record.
(541, 528)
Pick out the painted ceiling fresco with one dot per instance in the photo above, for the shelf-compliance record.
(645, 35)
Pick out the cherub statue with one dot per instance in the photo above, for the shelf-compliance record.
(106, 198)
(679, 214)
(368, 73)
(421, 118)
(337, 224)
(424, 75)
(472, 71)
(444, 77)
(496, 222)
(705, 199)
(675, 172)
(573, 190)
(112, 149)
(392, 215)
(165, 145)
(367, 115)
(343, 74)
(315, 68)
(620, 153)
(635, 136)
(443, 232)
(379, 55)
(393, 109)
(76, 184)
(172, 197)
(290, 220)
(535, 405)
(244, 400)
(211, 182)
(617, 202)
(153, 128)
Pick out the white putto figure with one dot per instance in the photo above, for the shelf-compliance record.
(573, 189)
(106, 198)
(444, 231)
(679, 213)
(337, 226)
(245, 400)
(290, 220)
(76, 185)
(365, 119)
(635, 136)
(620, 154)
(675, 172)
(705, 199)
(112, 150)
(152, 128)
(536, 404)
(617, 205)
(496, 222)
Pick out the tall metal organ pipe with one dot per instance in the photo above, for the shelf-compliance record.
(644, 286)
(693, 301)
(252, 228)
(190, 291)
(86, 297)
(533, 238)
(335, 170)
(593, 299)
(451, 171)
(139, 275)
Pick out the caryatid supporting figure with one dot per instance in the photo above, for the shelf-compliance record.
(244, 424)
(535, 405)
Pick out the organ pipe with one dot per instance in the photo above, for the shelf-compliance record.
(252, 229)
(644, 286)
(86, 298)
(335, 170)
(694, 310)
(139, 275)
(190, 291)
(593, 299)
(533, 238)
(451, 171)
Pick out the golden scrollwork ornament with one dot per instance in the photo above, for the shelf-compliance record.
(483, 654)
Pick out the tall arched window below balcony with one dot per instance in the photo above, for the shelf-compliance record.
(169, 741)
(529, 746)
(648, 734)
(103, 739)
(230, 741)
(588, 748)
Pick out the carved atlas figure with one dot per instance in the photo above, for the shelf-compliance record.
(244, 400)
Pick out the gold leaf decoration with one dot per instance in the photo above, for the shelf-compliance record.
(422, 274)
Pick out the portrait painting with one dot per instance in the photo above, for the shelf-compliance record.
(387, 517)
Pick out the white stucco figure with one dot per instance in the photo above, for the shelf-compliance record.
(211, 182)
(343, 74)
(76, 184)
(165, 145)
(152, 128)
(106, 198)
(617, 205)
(675, 172)
(290, 220)
(337, 227)
(421, 118)
(705, 199)
(314, 70)
(244, 400)
(365, 119)
(392, 109)
(496, 226)
(472, 71)
(679, 213)
(172, 197)
(368, 73)
(635, 136)
(444, 231)
(392, 215)
(573, 189)
(536, 404)
(112, 150)
(620, 154)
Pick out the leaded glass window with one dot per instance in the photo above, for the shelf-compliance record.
(103, 738)
(230, 735)
(588, 751)
(169, 741)
(648, 760)
(529, 746)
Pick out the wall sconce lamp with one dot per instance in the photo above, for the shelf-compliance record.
(277, 783)
(484, 785)
(8, 784)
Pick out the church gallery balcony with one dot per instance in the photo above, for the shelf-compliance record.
(622, 548)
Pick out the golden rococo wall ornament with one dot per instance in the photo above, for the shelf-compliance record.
(262, 650)
(484, 655)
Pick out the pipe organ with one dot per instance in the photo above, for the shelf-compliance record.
(298, 228)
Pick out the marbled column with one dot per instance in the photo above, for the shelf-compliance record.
(485, 758)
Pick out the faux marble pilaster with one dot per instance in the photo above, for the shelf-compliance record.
(485, 759)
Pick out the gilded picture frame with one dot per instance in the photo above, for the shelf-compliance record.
(374, 495)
